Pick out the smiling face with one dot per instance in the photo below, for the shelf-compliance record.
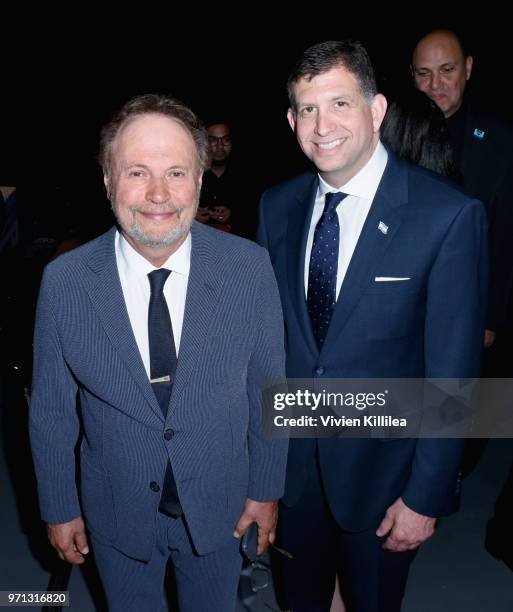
(337, 128)
(441, 70)
(154, 184)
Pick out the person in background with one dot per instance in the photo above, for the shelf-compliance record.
(481, 143)
(229, 195)
(415, 129)
(217, 190)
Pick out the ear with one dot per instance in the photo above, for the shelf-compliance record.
(412, 72)
(291, 116)
(106, 182)
(469, 62)
(378, 110)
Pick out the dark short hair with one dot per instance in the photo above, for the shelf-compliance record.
(147, 105)
(319, 58)
(415, 128)
(220, 122)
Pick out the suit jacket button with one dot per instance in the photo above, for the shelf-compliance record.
(168, 434)
(319, 371)
(154, 486)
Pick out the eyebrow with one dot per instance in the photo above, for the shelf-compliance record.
(333, 99)
(145, 167)
(343, 97)
(445, 64)
(136, 165)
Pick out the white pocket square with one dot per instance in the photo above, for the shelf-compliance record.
(391, 279)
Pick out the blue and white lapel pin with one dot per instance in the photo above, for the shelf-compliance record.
(383, 228)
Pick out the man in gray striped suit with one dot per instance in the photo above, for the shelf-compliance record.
(167, 331)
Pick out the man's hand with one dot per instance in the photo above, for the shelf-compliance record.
(69, 540)
(221, 214)
(265, 515)
(406, 529)
(489, 338)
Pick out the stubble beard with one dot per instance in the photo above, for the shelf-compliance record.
(140, 236)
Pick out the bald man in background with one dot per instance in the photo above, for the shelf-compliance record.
(481, 143)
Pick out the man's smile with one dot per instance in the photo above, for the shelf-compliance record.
(158, 215)
(328, 146)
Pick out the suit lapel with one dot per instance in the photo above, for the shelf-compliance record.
(204, 290)
(378, 231)
(106, 294)
(297, 236)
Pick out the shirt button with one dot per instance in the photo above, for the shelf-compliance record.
(319, 370)
(154, 486)
(168, 434)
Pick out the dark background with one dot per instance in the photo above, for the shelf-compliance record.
(60, 89)
(63, 78)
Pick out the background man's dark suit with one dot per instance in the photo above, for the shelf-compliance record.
(442, 67)
(484, 155)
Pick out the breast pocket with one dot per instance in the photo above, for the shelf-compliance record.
(394, 309)
(393, 285)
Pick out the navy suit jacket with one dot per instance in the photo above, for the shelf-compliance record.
(232, 341)
(429, 326)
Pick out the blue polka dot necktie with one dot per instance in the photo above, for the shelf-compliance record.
(163, 364)
(322, 274)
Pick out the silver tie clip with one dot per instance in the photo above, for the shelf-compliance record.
(160, 379)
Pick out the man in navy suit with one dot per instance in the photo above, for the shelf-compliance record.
(382, 273)
(167, 331)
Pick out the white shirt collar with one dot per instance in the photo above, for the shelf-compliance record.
(364, 183)
(135, 264)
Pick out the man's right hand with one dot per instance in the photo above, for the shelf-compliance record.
(69, 540)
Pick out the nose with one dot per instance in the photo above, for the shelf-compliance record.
(434, 81)
(217, 143)
(324, 124)
(157, 191)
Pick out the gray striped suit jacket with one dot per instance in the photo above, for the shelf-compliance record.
(232, 341)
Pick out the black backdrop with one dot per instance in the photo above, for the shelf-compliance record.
(71, 80)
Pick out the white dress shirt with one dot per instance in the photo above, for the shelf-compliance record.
(133, 271)
(352, 211)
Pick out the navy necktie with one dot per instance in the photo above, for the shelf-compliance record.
(163, 363)
(322, 273)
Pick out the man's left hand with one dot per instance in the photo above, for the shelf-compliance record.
(265, 515)
(406, 528)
